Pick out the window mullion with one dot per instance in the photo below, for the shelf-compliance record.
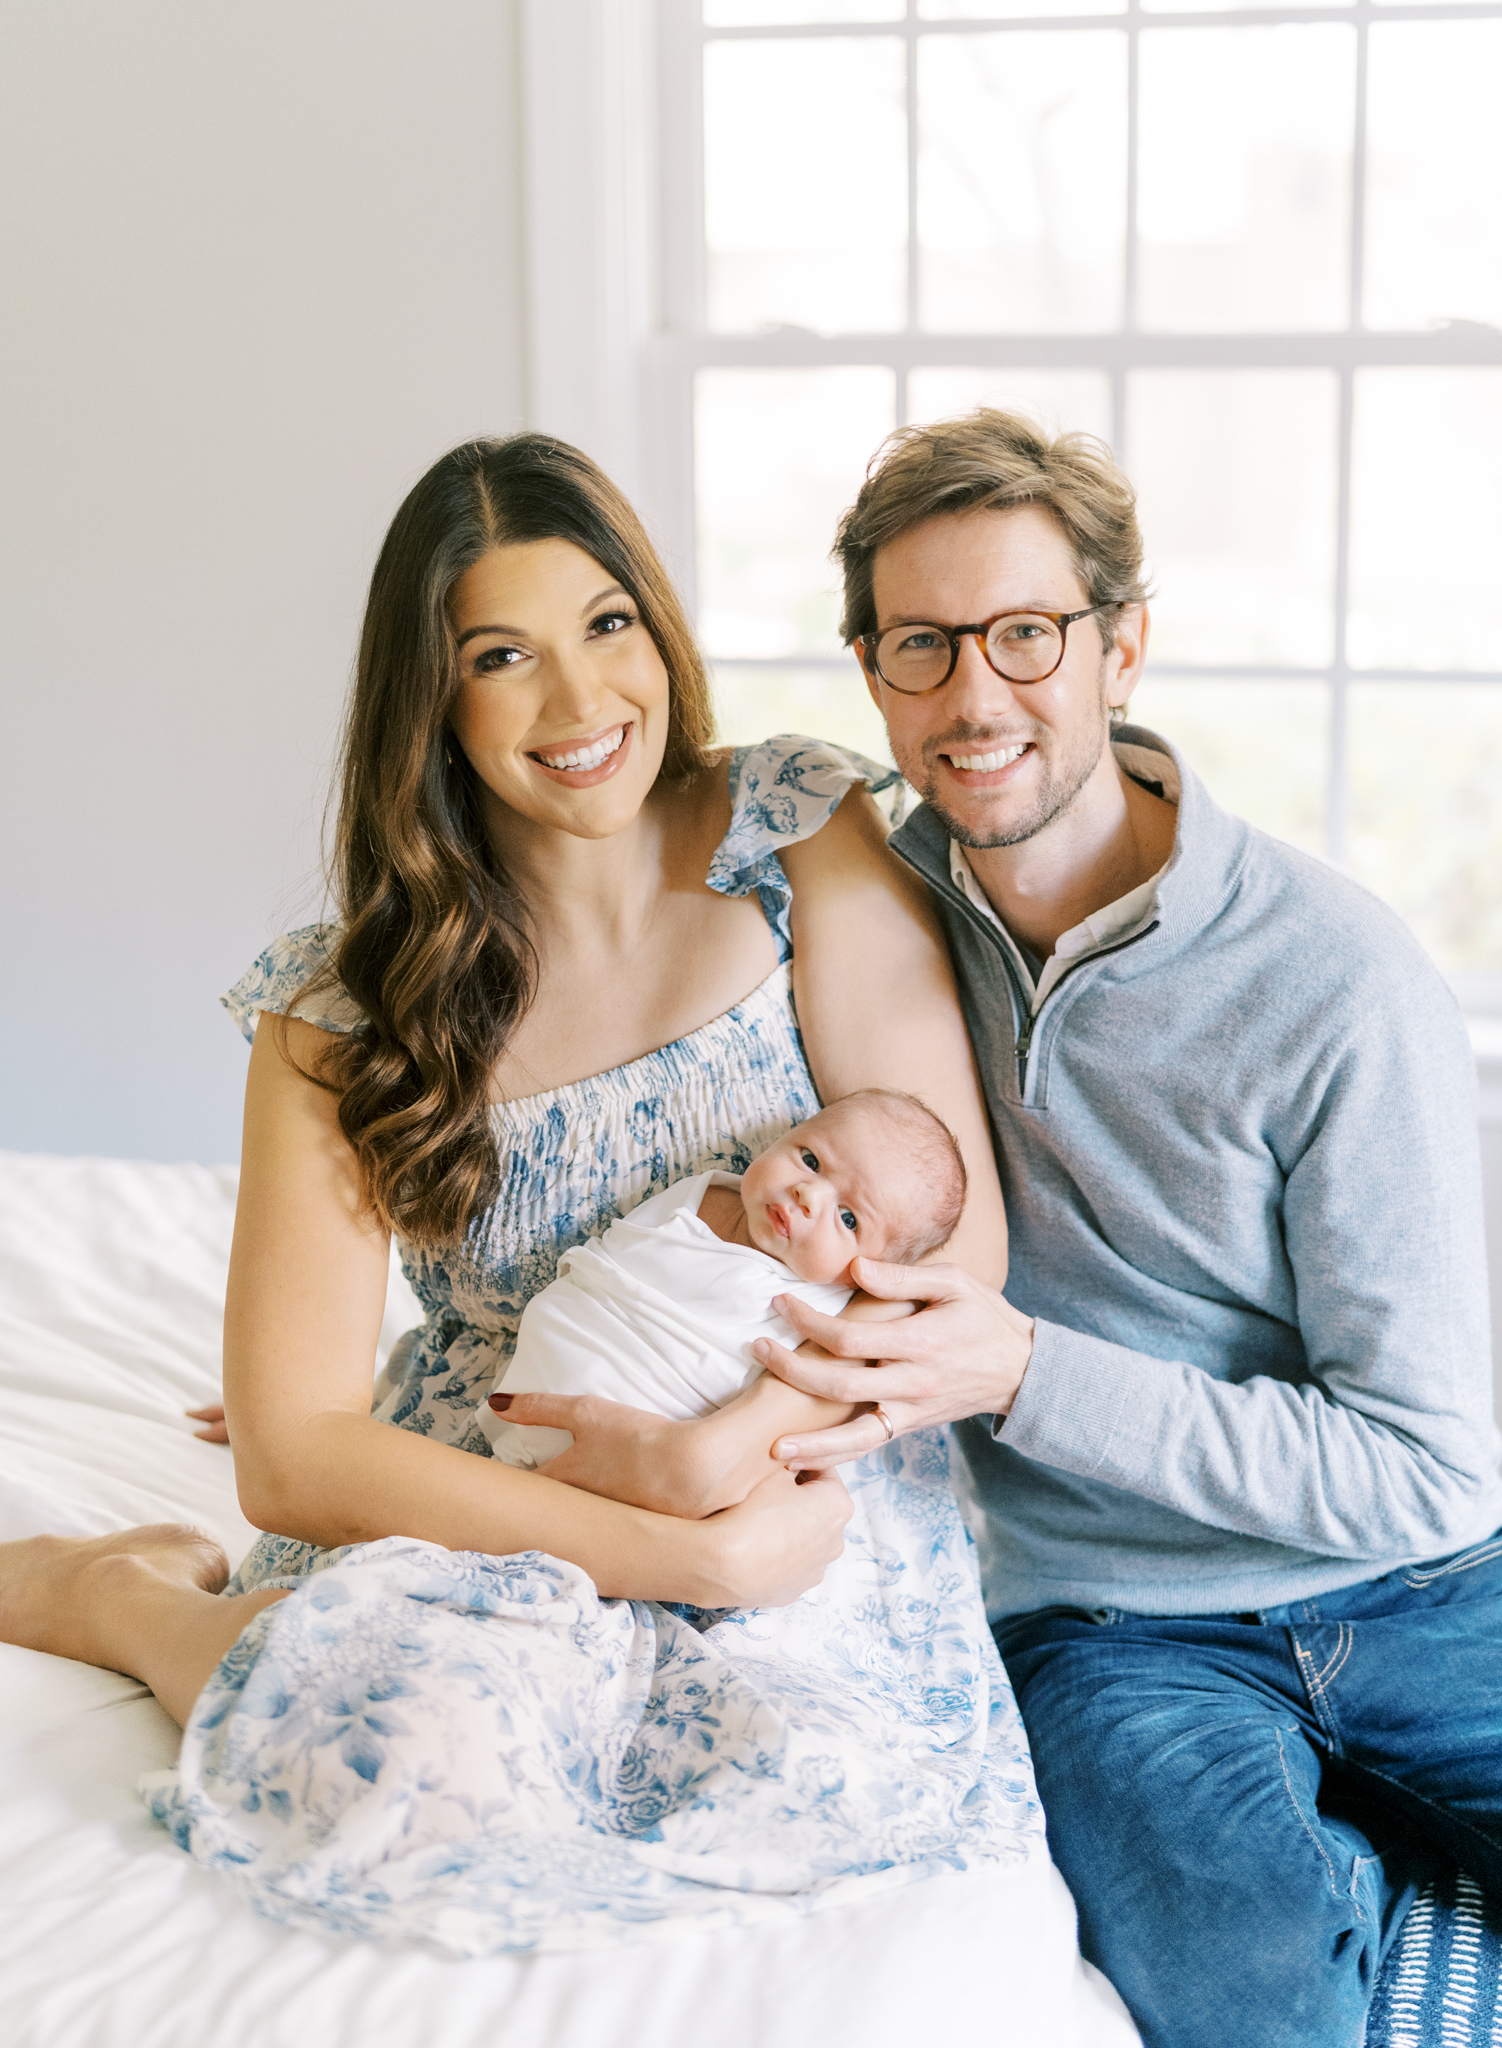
(1338, 796)
(1337, 800)
(1358, 181)
(1129, 253)
(1129, 256)
(910, 79)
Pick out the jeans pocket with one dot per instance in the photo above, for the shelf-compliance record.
(1463, 1561)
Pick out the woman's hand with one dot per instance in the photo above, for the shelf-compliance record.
(624, 1453)
(773, 1545)
(963, 1354)
(779, 1541)
(215, 1430)
(688, 1469)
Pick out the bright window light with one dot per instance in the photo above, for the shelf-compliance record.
(1255, 252)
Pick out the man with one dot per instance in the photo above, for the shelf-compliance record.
(1239, 1475)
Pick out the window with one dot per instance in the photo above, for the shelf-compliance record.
(1255, 247)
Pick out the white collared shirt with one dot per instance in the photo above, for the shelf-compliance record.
(1101, 926)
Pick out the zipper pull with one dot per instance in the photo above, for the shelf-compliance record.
(1024, 1043)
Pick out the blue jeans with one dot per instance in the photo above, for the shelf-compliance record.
(1244, 1805)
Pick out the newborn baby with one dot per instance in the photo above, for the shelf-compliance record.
(662, 1310)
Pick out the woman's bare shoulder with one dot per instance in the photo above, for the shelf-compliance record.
(852, 842)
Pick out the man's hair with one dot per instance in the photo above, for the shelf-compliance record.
(995, 460)
(937, 1157)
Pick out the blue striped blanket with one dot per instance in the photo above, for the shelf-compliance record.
(1439, 1985)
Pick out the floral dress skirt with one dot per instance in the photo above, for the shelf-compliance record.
(481, 1754)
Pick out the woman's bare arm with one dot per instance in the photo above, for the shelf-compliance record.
(687, 1469)
(877, 1008)
(307, 1284)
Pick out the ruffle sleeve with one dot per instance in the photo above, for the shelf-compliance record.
(784, 790)
(283, 970)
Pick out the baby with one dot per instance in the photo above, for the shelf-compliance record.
(662, 1310)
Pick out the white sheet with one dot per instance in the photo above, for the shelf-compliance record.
(111, 1280)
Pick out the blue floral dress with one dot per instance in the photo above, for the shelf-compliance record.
(481, 1754)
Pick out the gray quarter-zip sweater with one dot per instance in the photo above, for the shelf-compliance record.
(1239, 1151)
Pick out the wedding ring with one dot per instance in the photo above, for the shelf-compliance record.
(885, 1420)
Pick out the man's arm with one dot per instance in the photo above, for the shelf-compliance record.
(1388, 1445)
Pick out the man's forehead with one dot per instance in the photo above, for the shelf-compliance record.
(980, 560)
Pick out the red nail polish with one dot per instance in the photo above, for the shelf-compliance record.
(501, 1402)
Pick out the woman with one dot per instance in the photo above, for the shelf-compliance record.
(561, 982)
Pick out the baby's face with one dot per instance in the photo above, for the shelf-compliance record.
(832, 1190)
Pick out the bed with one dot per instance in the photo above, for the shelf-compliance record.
(111, 1286)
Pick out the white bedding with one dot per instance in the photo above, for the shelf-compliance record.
(111, 1283)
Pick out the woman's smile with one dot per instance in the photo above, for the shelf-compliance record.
(580, 764)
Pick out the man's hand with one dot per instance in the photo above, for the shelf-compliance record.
(964, 1353)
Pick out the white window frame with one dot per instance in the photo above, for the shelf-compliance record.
(616, 293)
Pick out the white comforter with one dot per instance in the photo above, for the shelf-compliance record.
(111, 1282)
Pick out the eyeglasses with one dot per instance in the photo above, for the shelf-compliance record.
(1022, 647)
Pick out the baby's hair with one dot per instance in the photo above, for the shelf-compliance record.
(938, 1158)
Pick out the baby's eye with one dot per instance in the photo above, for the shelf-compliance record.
(808, 1158)
(847, 1217)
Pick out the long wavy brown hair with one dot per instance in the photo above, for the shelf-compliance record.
(434, 944)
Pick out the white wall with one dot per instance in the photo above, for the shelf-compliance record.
(261, 264)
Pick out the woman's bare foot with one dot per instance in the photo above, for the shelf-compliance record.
(57, 1592)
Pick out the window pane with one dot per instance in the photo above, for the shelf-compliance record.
(759, 13)
(1236, 475)
(1426, 826)
(1261, 748)
(1434, 173)
(1245, 167)
(830, 703)
(1426, 524)
(1065, 401)
(805, 184)
(1022, 181)
(780, 455)
(998, 10)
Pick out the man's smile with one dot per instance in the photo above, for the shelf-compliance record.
(983, 763)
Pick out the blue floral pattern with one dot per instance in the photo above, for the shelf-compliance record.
(481, 1754)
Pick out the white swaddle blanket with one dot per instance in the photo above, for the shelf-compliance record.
(658, 1312)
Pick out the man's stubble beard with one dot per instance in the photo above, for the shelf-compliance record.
(1059, 790)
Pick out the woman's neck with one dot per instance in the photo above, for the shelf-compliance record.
(601, 892)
